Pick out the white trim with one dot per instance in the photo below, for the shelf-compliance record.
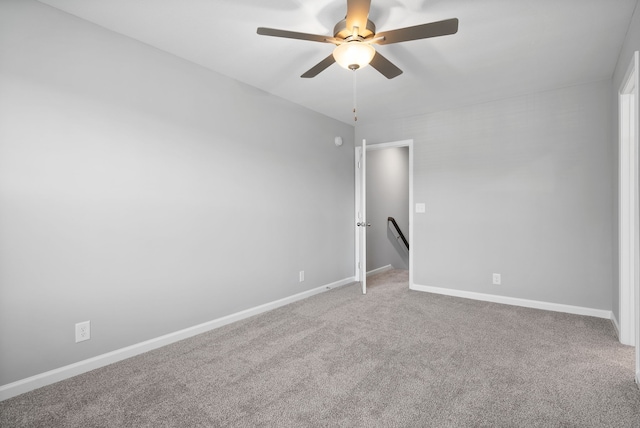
(379, 270)
(402, 143)
(628, 269)
(357, 215)
(514, 301)
(43, 379)
(361, 214)
(364, 219)
(616, 325)
(382, 146)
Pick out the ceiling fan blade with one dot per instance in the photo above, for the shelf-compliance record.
(319, 67)
(357, 14)
(424, 31)
(384, 66)
(294, 35)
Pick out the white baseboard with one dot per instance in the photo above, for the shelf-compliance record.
(535, 304)
(25, 385)
(379, 270)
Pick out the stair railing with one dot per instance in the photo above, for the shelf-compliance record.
(399, 233)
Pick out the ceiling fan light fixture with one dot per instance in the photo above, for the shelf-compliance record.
(354, 54)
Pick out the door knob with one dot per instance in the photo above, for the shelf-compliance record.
(362, 224)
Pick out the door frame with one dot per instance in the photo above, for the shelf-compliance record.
(361, 215)
(628, 199)
(358, 197)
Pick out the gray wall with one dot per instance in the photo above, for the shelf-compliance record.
(521, 187)
(147, 194)
(631, 44)
(387, 196)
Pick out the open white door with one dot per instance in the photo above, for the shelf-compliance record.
(361, 215)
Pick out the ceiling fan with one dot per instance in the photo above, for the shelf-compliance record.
(354, 35)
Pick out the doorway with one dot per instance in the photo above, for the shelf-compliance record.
(362, 219)
(629, 197)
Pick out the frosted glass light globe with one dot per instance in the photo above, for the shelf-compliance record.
(354, 55)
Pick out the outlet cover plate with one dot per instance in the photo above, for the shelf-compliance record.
(83, 331)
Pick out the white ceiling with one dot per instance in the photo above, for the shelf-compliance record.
(503, 48)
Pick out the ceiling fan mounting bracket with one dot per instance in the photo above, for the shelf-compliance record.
(340, 31)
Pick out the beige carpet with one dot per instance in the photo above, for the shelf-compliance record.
(392, 358)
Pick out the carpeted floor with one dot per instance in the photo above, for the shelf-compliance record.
(391, 358)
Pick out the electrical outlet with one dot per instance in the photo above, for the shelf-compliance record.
(301, 276)
(497, 279)
(83, 331)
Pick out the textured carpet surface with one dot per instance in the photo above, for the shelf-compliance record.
(391, 358)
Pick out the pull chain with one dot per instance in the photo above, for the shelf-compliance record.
(355, 100)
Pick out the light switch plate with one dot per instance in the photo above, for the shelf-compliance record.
(420, 208)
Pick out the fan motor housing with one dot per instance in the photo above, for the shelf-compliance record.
(340, 31)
